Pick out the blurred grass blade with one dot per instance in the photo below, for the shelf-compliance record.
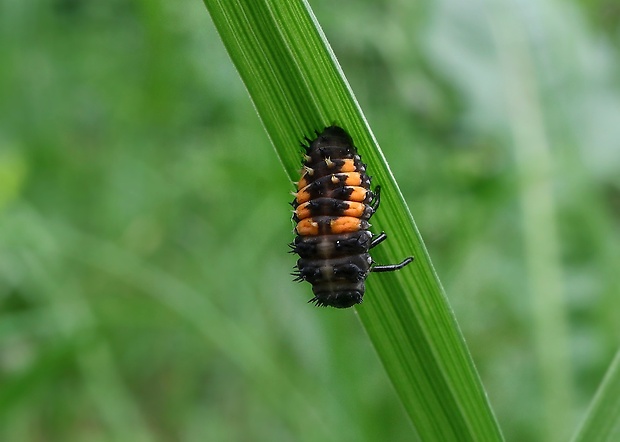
(533, 152)
(602, 422)
(297, 87)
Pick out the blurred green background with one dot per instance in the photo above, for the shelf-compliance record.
(144, 281)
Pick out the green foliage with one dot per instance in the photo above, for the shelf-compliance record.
(144, 287)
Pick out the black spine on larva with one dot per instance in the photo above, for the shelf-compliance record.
(332, 208)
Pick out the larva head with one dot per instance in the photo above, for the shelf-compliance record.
(333, 142)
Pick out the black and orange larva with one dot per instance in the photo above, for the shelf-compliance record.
(333, 204)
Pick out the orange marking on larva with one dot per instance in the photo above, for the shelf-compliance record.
(345, 224)
(355, 209)
(307, 227)
(302, 183)
(348, 179)
(353, 179)
(302, 196)
(348, 166)
(358, 194)
(302, 211)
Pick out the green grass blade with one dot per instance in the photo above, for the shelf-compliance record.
(297, 87)
(602, 421)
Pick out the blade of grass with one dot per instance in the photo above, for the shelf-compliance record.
(534, 164)
(602, 421)
(297, 87)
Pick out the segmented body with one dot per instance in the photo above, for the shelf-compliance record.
(332, 205)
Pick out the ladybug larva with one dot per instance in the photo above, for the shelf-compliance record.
(333, 204)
